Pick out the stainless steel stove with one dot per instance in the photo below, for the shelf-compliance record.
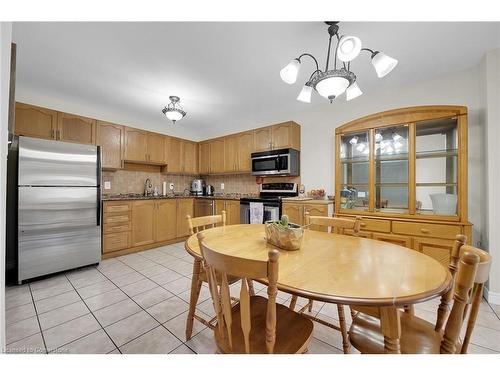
(270, 196)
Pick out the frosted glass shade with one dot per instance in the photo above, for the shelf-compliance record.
(305, 94)
(173, 115)
(289, 73)
(353, 91)
(383, 64)
(349, 48)
(332, 87)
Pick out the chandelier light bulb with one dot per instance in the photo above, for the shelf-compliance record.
(290, 72)
(353, 92)
(349, 48)
(383, 64)
(305, 94)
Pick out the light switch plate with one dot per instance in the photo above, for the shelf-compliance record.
(107, 185)
(222, 186)
(171, 185)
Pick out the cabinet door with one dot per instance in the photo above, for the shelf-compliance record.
(190, 156)
(438, 249)
(263, 139)
(35, 122)
(184, 208)
(393, 238)
(78, 129)
(166, 220)
(204, 157)
(135, 145)
(316, 210)
(281, 136)
(174, 160)
(230, 154)
(109, 137)
(155, 148)
(217, 156)
(232, 212)
(294, 211)
(143, 222)
(245, 148)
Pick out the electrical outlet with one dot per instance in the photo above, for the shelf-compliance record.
(222, 186)
(171, 185)
(107, 185)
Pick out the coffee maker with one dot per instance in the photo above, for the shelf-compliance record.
(197, 187)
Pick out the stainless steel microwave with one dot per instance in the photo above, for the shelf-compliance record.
(284, 162)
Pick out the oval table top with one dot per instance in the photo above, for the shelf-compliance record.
(337, 268)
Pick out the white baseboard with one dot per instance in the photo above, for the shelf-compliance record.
(492, 297)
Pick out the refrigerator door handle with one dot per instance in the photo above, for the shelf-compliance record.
(98, 219)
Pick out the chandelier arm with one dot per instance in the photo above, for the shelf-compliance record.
(313, 73)
(369, 50)
(312, 57)
(328, 54)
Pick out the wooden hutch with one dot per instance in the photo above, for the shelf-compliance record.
(404, 171)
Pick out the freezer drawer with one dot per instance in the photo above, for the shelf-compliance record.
(54, 163)
(59, 229)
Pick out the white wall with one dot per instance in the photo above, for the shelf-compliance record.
(490, 98)
(319, 123)
(5, 41)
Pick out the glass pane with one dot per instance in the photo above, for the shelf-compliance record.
(391, 169)
(437, 166)
(354, 150)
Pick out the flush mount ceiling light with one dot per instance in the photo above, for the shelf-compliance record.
(173, 111)
(331, 83)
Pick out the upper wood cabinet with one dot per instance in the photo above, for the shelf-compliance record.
(189, 157)
(231, 153)
(245, 149)
(284, 135)
(110, 138)
(35, 121)
(77, 129)
(217, 156)
(174, 154)
(204, 157)
(155, 148)
(135, 145)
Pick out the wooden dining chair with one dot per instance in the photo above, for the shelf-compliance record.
(335, 225)
(196, 225)
(420, 336)
(256, 324)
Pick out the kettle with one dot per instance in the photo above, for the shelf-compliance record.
(210, 191)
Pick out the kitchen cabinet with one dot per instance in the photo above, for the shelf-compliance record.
(110, 138)
(116, 226)
(33, 121)
(217, 156)
(204, 158)
(77, 129)
(245, 149)
(296, 211)
(232, 208)
(189, 159)
(184, 208)
(436, 248)
(155, 148)
(231, 154)
(174, 155)
(135, 145)
(166, 220)
(143, 222)
(392, 238)
(284, 135)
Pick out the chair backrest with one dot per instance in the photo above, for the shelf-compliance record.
(464, 282)
(217, 267)
(197, 224)
(337, 224)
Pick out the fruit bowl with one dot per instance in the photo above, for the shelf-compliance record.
(317, 194)
(285, 235)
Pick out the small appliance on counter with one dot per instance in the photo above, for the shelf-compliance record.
(197, 187)
(209, 191)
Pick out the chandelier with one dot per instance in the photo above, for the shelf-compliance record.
(173, 111)
(334, 82)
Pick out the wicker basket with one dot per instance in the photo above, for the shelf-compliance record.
(285, 238)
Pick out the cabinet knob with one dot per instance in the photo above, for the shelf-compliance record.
(362, 224)
(423, 230)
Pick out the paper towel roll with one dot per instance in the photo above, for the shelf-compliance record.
(164, 188)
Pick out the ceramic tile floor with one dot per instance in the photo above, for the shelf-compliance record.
(138, 304)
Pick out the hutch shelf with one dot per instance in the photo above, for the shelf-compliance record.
(404, 171)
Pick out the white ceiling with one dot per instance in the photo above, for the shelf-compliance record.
(227, 74)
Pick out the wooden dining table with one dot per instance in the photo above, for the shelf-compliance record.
(339, 269)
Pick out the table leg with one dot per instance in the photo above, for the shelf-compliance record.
(193, 299)
(343, 329)
(391, 329)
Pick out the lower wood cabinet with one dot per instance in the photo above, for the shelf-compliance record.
(143, 222)
(184, 207)
(232, 208)
(116, 226)
(296, 211)
(166, 220)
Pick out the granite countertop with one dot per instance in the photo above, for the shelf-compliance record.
(125, 197)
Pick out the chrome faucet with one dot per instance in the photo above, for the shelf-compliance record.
(148, 187)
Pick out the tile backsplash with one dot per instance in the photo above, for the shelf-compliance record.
(126, 181)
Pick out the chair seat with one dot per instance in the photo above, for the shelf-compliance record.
(293, 331)
(417, 335)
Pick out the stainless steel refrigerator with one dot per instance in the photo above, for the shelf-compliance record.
(59, 218)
